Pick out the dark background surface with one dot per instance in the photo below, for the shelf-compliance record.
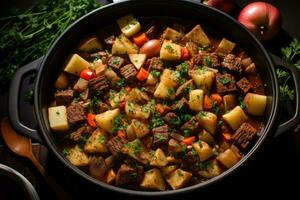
(273, 172)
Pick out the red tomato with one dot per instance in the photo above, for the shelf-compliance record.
(87, 74)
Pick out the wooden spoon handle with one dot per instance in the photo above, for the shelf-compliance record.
(58, 191)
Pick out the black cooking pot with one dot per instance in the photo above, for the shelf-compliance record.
(50, 65)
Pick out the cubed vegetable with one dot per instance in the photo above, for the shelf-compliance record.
(90, 45)
(212, 170)
(203, 150)
(115, 98)
(168, 169)
(137, 60)
(77, 157)
(196, 100)
(171, 34)
(228, 158)
(203, 78)
(123, 45)
(179, 178)
(170, 51)
(111, 176)
(225, 46)
(76, 64)
(129, 25)
(158, 158)
(153, 180)
(255, 104)
(106, 119)
(207, 120)
(58, 118)
(140, 128)
(235, 117)
(198, 36)
(96, 142)
(137, 151)
(169, 78)
(164, 92)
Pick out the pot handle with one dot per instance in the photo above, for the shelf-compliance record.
(295, 74)
(13, 100)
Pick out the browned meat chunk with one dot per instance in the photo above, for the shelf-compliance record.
(174, 146)
(103, 107)
(81, 85)
(129, 72)
(98, 84)
(151, 32)
(97, 167)
(155, 64)
(160, 135)
(63, 97)
(76, 135)
(184, 88)
(116, 144)
(192, 125)
(244, 135)
(180, 105)
(225, 83)
(207, 59)
(244, 85)
(249, 66)
(126, 175)
(172, 119)
(189, 162)
(116, 62)
(75, 113)
(229, 102)
(256, 83)
(232, 63)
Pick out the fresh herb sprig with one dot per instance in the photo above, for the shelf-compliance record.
(27, 35)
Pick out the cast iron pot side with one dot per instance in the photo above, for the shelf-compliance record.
(49, 67)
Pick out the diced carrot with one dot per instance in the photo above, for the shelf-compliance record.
(122, 105)
(160, 108)
(121, 133)
(217, 98)
(185, 54)
(226, 136)
(140, 39)
(207, 103)
(142, 75)
(91, 120)
(189, 140)
(128, 88)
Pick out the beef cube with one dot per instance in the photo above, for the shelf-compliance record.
(256, 84)
(160, 136)
(126, 175)
(76, 135)
(225, 83)
(207, 59)
(63, 97)
(103, 107)
(189, 162)
(116, 144)
(151, 32)
(98, 84)
(229, 101)
(97, 166)
(184, 88)
(180, 105)
(244, 135)
(129, 72)
(232, 63)
(155, 64)
(172, 119)
(81, 85)
(244, 85)
(116, 62)
(75, 113)
(249, 66)
(192, 125)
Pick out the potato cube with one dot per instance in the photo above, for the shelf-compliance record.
(137, 60)
(158, 158)
(225, 46)
(111, 176)
(228, 158)
(171, 34)
(106, 119)
(178, 178)
(91, 45)
(96, 142)
(153, 180)
(170, 51)
(58, 118)
(76, 64)
(203, 150)
(140, 128)
(207, 120)
(235, 117)
(164, 92)
(203, 78)
(118, 48)
(129, 25)
(196, 100)
(198, 36)
(169, 78)
(255, 104)
(213, 169)
(77, 157)
(168, 170)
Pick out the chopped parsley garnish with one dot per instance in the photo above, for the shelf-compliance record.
(101, 139)
(187, 132)
(135, 145)
(169, 48)
(120, 83)
(57, 112)
(241, 102)
(224, 80)
(134, 175)
(186, 117)
(171, 91)
(66, 151)
(155, 73)
(208, 61)
(183, 68)
(160, 137)
(215, 108)
(220, 122)
(202, 114)
(116, 61)
(180, 173)
(118, 124)
(156, 121)
(203, 165)
(200, 143)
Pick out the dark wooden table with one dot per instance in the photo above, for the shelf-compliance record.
(273, 172)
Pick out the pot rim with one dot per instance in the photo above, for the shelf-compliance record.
(259, 142)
